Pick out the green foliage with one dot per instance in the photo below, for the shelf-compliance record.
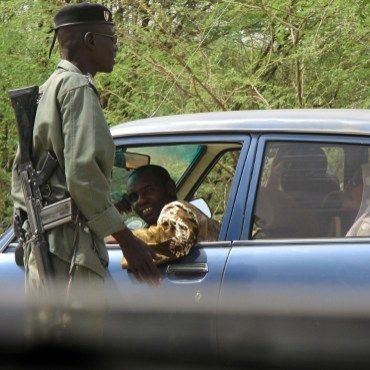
(216, 186)
(193, 56)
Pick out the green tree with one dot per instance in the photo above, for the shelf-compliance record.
(194, 56)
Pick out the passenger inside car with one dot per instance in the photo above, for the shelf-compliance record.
(360, 196)
(301, 171)
(290, 204)
(173, 226)
(344, 205)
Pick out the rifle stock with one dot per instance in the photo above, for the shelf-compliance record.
(24, 102)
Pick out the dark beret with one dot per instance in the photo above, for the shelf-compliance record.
(83, 13)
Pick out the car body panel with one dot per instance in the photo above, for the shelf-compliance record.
(5, 239)
(186, 292)
(238, 211)
(295, 262)
(214, 254)
(242, 273)
(322, 121)
(293, 279)
(11, 275)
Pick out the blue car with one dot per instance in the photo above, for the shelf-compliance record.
(290, 189)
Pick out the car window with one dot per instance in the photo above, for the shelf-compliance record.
(176, 159)
(311, 190)
(201, 171)
(215, 187)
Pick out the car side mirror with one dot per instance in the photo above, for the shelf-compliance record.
(202, 205)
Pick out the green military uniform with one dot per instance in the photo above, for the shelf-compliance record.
(70, 124)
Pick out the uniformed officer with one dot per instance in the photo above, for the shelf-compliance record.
(70, 124)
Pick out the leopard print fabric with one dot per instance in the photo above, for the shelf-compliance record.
(180, 226)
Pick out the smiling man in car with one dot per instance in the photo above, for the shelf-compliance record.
(174, 226)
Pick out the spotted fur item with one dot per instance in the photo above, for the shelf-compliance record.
(180, 226)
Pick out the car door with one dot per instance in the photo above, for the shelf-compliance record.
(295, 274)
(190, 285)
(11, 275)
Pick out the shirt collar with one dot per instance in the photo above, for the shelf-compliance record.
(68, 66)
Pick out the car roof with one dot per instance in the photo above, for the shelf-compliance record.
(321, 121)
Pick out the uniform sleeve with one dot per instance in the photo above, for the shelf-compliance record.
(89, 156)
(173, 236)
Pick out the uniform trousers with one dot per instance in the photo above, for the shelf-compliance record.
(72, 304)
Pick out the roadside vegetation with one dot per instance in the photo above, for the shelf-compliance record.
(181, 56)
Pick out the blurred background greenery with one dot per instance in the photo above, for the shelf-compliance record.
(178, 56)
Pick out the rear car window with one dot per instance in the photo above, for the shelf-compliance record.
(312, 190)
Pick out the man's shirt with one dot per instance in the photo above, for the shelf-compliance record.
(179, 227)
(70, 123)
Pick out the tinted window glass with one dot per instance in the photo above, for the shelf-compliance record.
(216, 186)
(311, 190)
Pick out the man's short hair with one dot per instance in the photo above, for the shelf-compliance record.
(158, 172)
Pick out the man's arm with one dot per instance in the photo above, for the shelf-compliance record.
(173, 236)
(139, 256)
(89, 154)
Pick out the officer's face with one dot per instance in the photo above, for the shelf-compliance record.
(147, 196)
(105, 48)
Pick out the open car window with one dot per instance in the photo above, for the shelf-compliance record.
(176, 159)
(201, 171)
(215, 187)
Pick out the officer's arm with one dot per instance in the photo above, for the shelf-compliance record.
(89, 153)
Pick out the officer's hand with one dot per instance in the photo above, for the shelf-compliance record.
(139, 257)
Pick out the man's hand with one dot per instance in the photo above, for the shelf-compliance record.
(139, 257)
(110, 239)
(123, 205)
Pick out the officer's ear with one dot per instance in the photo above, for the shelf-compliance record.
(171, 188)
(89, 40)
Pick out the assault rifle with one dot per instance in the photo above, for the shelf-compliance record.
(40, 217)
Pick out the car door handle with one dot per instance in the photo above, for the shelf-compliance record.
(188, 269)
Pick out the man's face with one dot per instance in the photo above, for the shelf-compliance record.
(106, 48)
(147, 196)
(354, 190)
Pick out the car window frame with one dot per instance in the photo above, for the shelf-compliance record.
(228, 231)
(262, 141)
(209, 168)
(6, 239)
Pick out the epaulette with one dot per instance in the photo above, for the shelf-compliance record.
(91, 84)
